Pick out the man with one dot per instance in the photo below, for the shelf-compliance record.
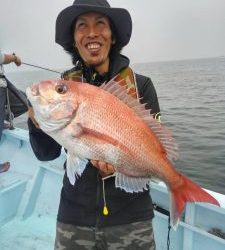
(5, 59)
(93, 33)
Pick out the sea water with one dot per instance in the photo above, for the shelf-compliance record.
(191, 95)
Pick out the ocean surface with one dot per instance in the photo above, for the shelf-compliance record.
(192, 100)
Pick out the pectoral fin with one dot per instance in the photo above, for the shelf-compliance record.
(74, 167)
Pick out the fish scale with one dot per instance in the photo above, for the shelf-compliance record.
(107, 124)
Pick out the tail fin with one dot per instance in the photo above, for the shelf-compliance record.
(187, 192)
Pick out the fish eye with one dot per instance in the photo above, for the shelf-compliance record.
(61, 88)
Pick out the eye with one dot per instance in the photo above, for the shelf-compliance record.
(80, 26)
(101, 21)
(61, 88)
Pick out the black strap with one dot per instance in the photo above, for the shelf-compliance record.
(168, 235)
(10, 114)
(17, 93)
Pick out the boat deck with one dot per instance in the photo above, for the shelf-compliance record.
(29, 196)
(35, 232)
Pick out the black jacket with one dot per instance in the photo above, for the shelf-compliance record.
(82, 204)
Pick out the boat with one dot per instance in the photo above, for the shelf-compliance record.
(29, 198)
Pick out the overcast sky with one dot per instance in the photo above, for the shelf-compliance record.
(162, 30)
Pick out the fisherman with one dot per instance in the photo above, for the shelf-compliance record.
(94, 33)
(9, 95)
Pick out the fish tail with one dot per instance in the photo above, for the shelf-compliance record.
(187, 192)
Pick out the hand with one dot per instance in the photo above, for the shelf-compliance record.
(10, 58)
(30, 113)
(105, 169)
(17, 60)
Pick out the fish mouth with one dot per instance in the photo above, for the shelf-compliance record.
(35, 89)
(44, 107)
(34, 93)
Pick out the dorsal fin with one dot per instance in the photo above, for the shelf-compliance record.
(119, 90)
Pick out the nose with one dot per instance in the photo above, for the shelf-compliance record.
(93, 31)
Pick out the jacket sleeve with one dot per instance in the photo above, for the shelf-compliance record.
(44, 147)
(148, 94)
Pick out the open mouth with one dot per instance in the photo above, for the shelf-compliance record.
(94, 46)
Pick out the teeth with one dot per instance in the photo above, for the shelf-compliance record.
(93, 46)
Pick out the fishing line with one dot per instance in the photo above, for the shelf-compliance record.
(105, 209)
(39, 67)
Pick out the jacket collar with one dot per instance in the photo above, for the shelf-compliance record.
(117, 63)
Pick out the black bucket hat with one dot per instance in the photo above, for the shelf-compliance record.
(120, 19)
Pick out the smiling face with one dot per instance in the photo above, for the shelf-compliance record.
(93, 39)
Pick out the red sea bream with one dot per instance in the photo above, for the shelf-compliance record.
(104, 123)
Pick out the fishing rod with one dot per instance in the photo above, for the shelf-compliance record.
(32, 65)
(17, 93)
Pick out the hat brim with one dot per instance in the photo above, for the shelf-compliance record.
(120, 18)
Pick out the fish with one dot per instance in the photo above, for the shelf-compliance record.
(105, 123)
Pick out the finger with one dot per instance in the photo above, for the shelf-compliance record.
(106, 168)
(35, 122)
(111, 168)
(94, 163)
(31, 116)
(103, 166)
